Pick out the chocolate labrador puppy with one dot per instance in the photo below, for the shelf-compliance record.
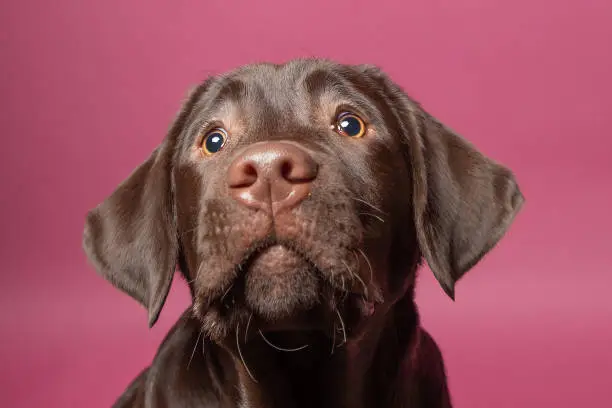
(297, 201)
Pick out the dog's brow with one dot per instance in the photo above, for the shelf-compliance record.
(321, 80)
(219, 91)
(231, 89)
(340, 86)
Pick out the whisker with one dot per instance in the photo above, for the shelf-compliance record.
(373, 215)
(344, 291)
(369, 264)
(342, 324)
(333, 340)
(246, 333)
(369, 205)
(269, 343)
(356, 275)
(240, 354)
(194, 348)
(347, 267)
(357, 259)
(227, 291)
(196, 275)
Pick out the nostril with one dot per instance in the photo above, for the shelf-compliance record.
(250, 171)
(243, 175)
(297, 171)
(286, 170)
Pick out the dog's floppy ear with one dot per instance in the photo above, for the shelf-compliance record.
(463, 201)
(131, 237)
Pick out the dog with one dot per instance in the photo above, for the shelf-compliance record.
(298, 201)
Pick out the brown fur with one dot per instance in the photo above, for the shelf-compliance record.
(335, 273)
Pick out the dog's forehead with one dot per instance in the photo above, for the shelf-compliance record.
(288, 88)
(265, 94)
(268, 89)
(281, 82)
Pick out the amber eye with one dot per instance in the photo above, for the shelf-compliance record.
(213, 141)
(351, 125)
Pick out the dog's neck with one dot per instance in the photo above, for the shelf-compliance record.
(359, 374)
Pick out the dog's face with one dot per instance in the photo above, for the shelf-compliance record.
(288, 184)
(299, 197)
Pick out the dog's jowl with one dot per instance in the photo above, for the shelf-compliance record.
(298, 201)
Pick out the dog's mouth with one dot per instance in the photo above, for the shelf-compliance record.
(279, 289)
(278, 284)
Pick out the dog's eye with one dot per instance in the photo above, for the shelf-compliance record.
(349, 124)
(214, 141)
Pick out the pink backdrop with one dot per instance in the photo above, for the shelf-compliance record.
(89, 88)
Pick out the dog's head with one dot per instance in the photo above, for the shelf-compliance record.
(295, 194)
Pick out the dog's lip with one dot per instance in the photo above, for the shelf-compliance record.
(242, 268)
(259, 248)
(231, 294)
(290, 248)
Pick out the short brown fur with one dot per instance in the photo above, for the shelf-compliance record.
(334, 273)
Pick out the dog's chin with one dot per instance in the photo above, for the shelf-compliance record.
(279, 291)
(276, 290)
(280, 285)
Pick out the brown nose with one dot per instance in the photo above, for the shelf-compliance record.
(272, 176)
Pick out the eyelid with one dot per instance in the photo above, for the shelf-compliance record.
(337, 125)
(343, 110)
(205, 128)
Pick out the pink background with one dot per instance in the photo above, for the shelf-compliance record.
(89, 88)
